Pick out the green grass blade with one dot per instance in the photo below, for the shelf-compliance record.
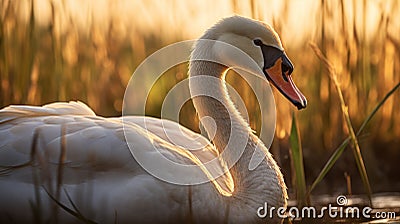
(379, 105)
(297, 159)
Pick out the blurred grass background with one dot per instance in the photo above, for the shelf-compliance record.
(54, 50)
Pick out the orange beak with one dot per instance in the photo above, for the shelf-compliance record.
(282, 80)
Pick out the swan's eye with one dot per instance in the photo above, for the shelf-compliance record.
(257, 42)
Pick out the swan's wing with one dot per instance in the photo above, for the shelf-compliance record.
(72, 127)
(96, 168)
(71, 108)
(86, 156)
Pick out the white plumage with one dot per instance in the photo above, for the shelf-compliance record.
(99, 172)
(100, 175)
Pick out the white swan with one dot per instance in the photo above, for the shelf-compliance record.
(104, 182)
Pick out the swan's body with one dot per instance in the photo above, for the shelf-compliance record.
(105, 182)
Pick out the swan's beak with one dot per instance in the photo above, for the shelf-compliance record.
(282, 80)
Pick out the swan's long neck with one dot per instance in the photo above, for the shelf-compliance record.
(210, 98)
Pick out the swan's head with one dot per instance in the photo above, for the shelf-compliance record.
(259, 41)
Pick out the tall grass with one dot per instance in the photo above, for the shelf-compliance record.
(62, 60)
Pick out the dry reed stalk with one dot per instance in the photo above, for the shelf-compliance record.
(345, 111)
